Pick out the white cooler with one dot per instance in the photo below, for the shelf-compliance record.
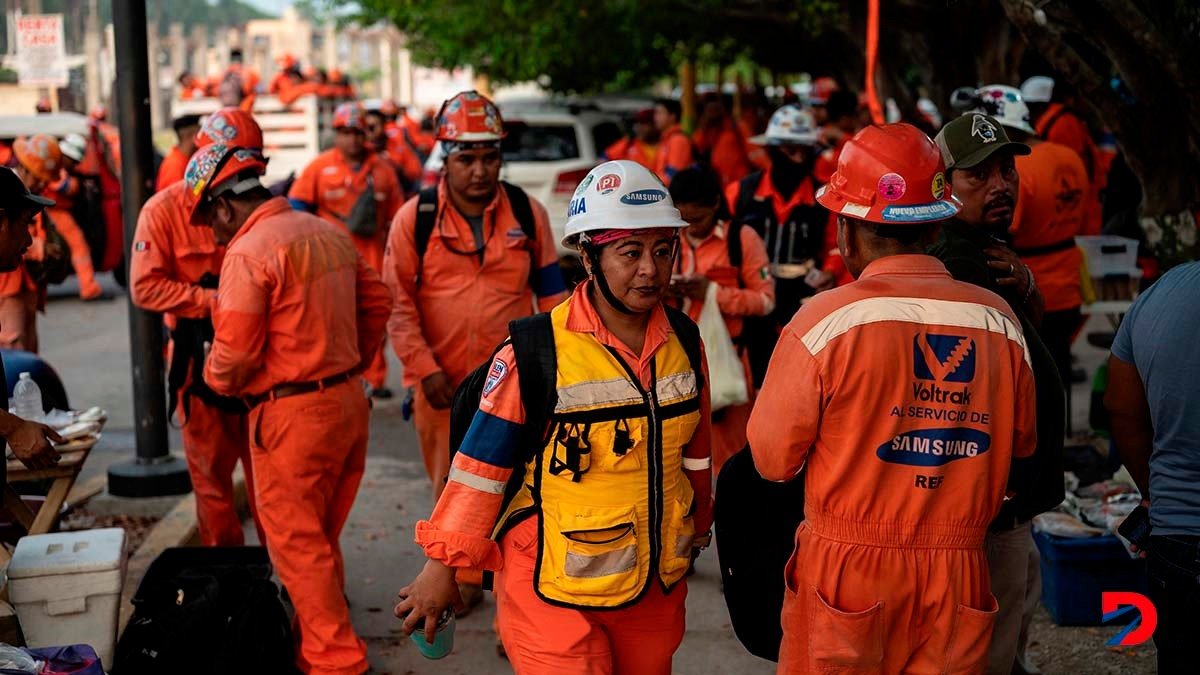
(66, 588)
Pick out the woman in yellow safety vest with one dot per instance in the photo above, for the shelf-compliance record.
(589, 509)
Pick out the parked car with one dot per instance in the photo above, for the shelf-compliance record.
(546, 153)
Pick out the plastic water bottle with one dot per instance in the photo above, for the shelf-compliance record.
(27, 399)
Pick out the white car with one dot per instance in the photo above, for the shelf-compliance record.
(547, 153)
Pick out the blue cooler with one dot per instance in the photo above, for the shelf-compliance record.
(1076, 571)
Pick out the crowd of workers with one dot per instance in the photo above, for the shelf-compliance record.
(901, 310)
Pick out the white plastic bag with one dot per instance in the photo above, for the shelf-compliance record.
(726, 378)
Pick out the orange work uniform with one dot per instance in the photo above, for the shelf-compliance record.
(329, 186)
(21, 297)
(541, 638)
(453, 307)
(674, 154)
(63, 193)
(633, 149)
(297, 304)
(169, 258)
(745, 291)
(172, 169)
(726, 150)
(1050, 214)
(1060, 125)
(102, 158)
(401, 157)
(907, 394)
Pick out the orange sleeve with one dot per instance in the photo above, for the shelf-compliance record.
(373, 305)
(699, 450)
(304, 188)
(170, 171)
(152, 283)
(400, 265)
(756, 296)
(1025, 429)
(548, 282)
(787, 412)
(240, 325)
(679, 154)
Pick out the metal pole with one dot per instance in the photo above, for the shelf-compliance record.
(155, 472)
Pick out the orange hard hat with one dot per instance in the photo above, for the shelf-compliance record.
(822, 87)
(892, 174)
(469, 117)
(349, 116)
(214, 170)
(389, 108)
(231, 126)
(40, 155)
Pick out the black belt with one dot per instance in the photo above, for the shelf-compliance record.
(297, 388)
(1035, 251)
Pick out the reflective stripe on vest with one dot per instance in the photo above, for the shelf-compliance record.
(614, 504)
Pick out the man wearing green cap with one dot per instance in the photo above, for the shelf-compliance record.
(974, 245)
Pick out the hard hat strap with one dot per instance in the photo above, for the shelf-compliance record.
(593, 253)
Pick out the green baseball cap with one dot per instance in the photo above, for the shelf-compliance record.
(972, 138)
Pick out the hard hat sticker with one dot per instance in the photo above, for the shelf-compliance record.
(640, 197)
(891, 186)
(576, 207)
(583, 185)
(939, 185)
(608, 183)
(924, 213)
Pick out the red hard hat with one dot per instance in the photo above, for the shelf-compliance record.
(349, 116)
(39, 155)
(892, 174)
(469, 117)
(231, 126)
(214, 166)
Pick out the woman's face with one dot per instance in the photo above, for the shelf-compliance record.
(638, 268)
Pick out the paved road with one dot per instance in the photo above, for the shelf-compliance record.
(88, 345)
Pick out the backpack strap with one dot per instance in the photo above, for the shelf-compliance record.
(1047, 123)
(689, 336)
(427, 206)
(537, 369)
(733, 243)
(746, 189)
(522, 209)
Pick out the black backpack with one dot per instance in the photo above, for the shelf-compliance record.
(755, 522)
(427, 206)
(363, 219)
(532, 339)
(200, 611)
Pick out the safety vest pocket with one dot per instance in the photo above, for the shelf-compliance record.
(849, 643)
(592, 551)
(677, 546)
(967, 651)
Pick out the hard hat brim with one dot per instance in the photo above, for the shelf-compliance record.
(890, 214)
(764, 139)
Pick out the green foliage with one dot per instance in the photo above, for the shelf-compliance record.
(577, 46)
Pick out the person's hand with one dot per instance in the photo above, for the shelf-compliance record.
(438, 390)
(819, 280)
(694, 287)
(427, 597)
(1009, 269)
(31, 443)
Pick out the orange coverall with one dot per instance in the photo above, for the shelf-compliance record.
(169, 257)
(1064, 127)
(21, 297)
(329, 186)
(63, 194)
(674, 154)
(908, 394)
(541, 638)
(297, 304)
(102, 158)
(401, 157)
(727, 151)
(1050, 213)
(748, 291)
(634, 150)
(172, 169)
(452, 318)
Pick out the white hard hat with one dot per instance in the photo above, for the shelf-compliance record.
(790, 125)
(619, 195)
(1038, 89)
(1006, 104)
(73, 146)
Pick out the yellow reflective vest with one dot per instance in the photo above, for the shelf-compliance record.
(615, 506)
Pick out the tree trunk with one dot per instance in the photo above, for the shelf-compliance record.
(687, 96)
(1157, 131)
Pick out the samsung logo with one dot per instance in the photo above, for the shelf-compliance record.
(643, 197)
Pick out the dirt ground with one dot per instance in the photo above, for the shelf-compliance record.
(1072, 650)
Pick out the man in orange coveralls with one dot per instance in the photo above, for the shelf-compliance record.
(63, 192)
(338, 185)
(21, 296)
(908, 394)
(479, 271)
(173, 270)
(173, 165)
(674, 147)
(298, 315)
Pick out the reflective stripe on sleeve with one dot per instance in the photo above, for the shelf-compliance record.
(697, 464)
(479, 483)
